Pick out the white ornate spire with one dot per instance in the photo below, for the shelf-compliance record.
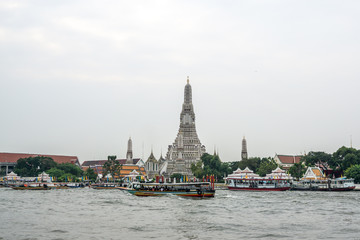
(244, 154)
(187, 145)
(129, 153)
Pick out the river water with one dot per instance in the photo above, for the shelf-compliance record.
(114, 214)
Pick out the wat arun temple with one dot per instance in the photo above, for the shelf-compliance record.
(187, 148)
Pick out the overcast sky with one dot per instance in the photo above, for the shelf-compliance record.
(81, 77)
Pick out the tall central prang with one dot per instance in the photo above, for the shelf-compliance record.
(187, 148)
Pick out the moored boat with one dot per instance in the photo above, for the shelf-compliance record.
(335, 185)
(104, 186)
(260, 184)
(32, 187)
(315, 180)
(191, 189)
(247, 180)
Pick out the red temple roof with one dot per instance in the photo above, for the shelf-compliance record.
(13, 157)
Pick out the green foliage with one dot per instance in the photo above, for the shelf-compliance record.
(71, 168)
(210, 165)
(252, 163)
(353, 172)
(112, 167)
(177, 176)
(266, 166)
(340, 160)
(33, 166)
(261, 166)
(297, 170)
(68, 177)
(344, 158)
(91, 174)
(197, 169)
(55, 172)
(313, 158)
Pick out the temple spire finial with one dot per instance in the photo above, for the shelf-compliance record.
(187, 79)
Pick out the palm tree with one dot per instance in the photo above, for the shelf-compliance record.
(112, 166)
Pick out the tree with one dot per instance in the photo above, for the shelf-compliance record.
(353, 172)
(252, 163)
(266, 166)
(33, 166)
(71, 169)
(177, 176)
(317, 158)
(55, 172)
(91, 174)
(112, 167)
(68, 177)
(197, 169)
(297, 170)
(210, 165)
(344, 157)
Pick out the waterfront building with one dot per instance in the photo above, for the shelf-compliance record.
(287, 161)
(9, 160)
(126, 169)
(244, 154)
(128, 164)
(313, 173)
(187, 148)
(152, 166)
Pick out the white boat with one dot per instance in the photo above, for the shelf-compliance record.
(247, 180)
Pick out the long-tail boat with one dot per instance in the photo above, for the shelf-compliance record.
(190, 189)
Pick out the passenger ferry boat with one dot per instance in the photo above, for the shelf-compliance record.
(314, 180)
(247, 180)
(336, 185)
(191, 189)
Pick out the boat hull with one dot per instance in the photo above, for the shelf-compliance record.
(101, 188)
(31, 188)
(196, 194)
(258, 189)
(323, 189)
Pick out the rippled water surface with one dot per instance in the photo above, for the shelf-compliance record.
(113, 214)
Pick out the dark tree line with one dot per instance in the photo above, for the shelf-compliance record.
(345, 161)
(33, 166)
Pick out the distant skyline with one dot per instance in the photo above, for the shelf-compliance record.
(81, 77)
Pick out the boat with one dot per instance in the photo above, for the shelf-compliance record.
(315, 180)
(258, 184)
(31, 187)
(190, 189)
(75, 185)
(247, 180)
(59, 187)
(335, 185)
(104, 186)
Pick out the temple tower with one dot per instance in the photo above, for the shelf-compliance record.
(152, 166)
(244, 154)
(187, 148)
(129, 153)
